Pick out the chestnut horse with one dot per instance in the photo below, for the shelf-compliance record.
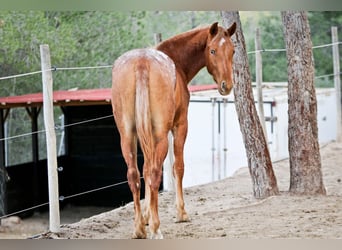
(150, 98)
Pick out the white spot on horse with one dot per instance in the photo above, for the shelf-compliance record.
(164, 61)
(222, 41)
(138, 186)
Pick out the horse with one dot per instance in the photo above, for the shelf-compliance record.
(150, 98)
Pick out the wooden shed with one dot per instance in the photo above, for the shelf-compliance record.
(92, 158)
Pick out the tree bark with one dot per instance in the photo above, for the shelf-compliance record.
(259, 161)
(305, 159)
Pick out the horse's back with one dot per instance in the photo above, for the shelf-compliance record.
(160, 77)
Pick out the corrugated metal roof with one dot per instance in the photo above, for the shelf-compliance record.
(73, 97)
(60, 97)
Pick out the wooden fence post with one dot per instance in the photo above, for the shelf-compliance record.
(337, 82)
(157, 38)
(3, 194)
(54, 218)
(258, 79)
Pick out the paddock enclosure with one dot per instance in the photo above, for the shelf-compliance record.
(92, 156)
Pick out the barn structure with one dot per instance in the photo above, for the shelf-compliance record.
(92, 157)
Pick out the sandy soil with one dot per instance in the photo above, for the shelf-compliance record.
(226, 209)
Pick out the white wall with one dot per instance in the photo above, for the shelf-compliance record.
(326, 119)
(213, 152)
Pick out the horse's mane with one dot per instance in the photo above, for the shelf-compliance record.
(185, 34)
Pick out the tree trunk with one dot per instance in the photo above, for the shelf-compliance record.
(305, 159)
(259, 161)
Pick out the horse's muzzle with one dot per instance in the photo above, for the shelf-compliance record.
(224, 88)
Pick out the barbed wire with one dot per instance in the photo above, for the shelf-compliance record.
(54, 68)
(57, 127)
(328, 75)
(63, 198)
(82, 68)
(82, 122)
(326, 45)
(282, 50)
(23, 210)
(24, 74)
(265, 50)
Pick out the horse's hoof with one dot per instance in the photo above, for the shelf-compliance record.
(182, 218)
(139, 235)
(146, 220)
(157, 235)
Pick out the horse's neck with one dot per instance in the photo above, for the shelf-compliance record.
(187, 52)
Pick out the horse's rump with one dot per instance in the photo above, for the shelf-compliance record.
(143, 94)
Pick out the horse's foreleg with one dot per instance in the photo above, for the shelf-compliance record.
(129, 150)
(179, 134)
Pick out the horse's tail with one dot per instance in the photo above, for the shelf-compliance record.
(143, 116)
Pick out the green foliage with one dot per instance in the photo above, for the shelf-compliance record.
(275, 64)
(320, 25)
(88, 38)
(97, 38)
(21, 34)
(76, 39)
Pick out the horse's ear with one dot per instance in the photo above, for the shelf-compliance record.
(231, 30)
(214, 29)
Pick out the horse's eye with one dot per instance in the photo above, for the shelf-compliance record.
(212, 52)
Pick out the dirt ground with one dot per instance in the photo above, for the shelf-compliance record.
(224, 209)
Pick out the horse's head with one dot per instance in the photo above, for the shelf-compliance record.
(219, 56)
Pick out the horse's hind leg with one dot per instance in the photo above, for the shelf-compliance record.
(154, 182)
(179, 134)
(147, 212)
(129, 151)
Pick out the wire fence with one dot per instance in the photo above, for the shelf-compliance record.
(21, 75)
(54, 68)
(283, 50)
(314, 47)
(63, 198)
(60, 127)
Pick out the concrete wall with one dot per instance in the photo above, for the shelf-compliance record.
(214, 148)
